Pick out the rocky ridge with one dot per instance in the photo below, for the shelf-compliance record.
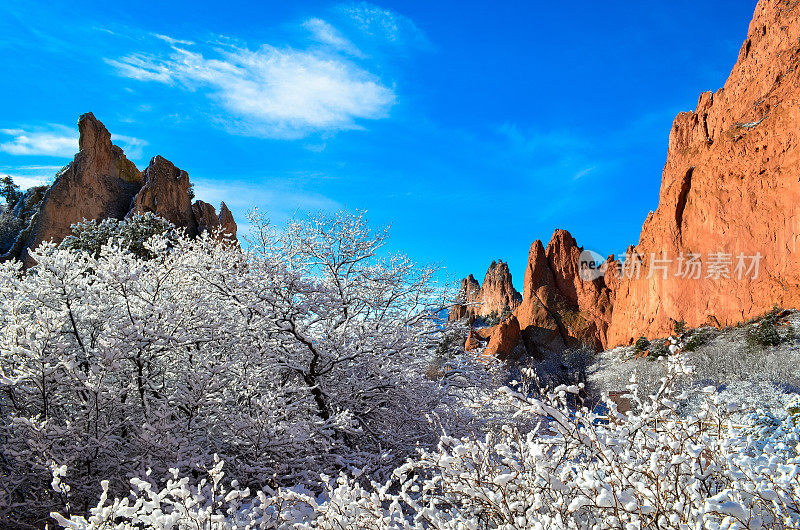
(102, 183)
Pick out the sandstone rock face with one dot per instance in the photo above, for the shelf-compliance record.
(496, 296)
(166, 193)
(101, 183)
(731, 185)
(227, 222)
(729, 199)
(472, 343)
(560, 309)
(504, 339)
(497, 292)
(468, 294)
(207, 219)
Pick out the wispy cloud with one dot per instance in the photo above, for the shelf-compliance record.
(133, 147)
(142, 67)
(273, 92)
(58, 141)
(171, 41)
(583, 172)
(384, 23)
(29, 176)
(325, 33)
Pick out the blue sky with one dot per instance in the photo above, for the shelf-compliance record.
(473, 129)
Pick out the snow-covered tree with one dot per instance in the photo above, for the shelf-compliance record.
(305, 354)
(648, 468)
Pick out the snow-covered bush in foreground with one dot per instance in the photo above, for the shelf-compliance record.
(304, 355)
(650, 468)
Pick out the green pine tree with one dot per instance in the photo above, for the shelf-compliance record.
(9, 190)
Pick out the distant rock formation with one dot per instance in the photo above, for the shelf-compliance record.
(559, 308)
(102, 183)
(496, 296)
(469, 296)
(207, 219)
(165, 192)
(731, 185)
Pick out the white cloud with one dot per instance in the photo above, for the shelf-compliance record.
(133, 147)
(278, 203)
(324, 33)
(271, 92)
(380, 22)
(57, 140)
(29, 182)
(29, 176)
(142, 67)
(171, 41)
(583, 172)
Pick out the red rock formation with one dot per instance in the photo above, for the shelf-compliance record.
(559, 308)
(207, 219)
(731, 184)
(101, 183)
(166, 193)
(496, 297)
(497, 292)
(468, 294)
(227, 222)
(471, 344)
(504, 339)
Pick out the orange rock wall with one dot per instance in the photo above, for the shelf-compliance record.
(731, 184)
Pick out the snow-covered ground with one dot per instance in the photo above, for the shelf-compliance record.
(752, 375)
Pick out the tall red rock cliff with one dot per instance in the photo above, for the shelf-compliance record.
(729, 203)
(102, 183)
(730, 186)
(496, 296)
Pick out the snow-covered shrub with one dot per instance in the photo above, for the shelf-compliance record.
(720, 357)
(15, 219)
(303, 355)
(769, 331)
(131, 234)
(649, 468)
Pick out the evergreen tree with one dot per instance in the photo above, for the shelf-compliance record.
(9, 190)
